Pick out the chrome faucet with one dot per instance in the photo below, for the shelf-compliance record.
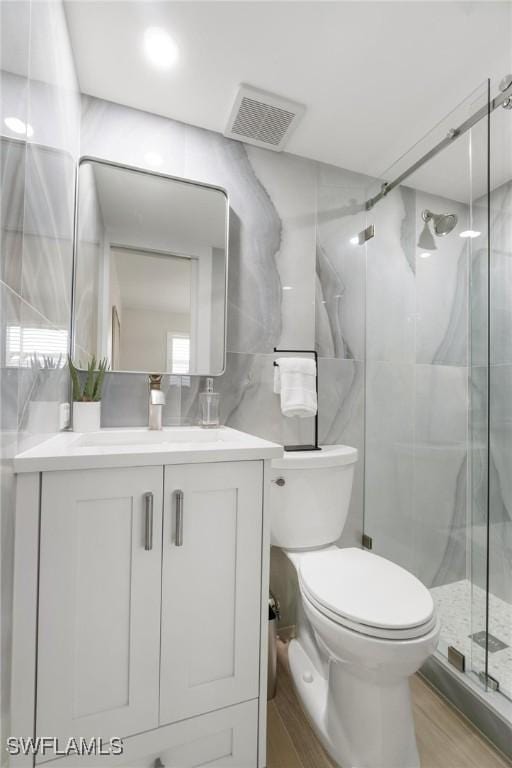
(156, 401)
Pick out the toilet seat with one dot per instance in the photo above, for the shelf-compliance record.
(366, 593)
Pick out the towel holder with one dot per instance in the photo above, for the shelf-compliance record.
(314, 447)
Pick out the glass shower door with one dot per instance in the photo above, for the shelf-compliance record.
(479, 394)
(420, 349)
(499, 532)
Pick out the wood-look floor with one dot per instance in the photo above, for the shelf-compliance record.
(445, 738)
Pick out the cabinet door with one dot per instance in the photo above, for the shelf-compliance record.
(99, 602)
(211, 588)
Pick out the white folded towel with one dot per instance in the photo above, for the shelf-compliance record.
(295, 381)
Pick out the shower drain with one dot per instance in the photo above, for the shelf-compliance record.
(494, 643)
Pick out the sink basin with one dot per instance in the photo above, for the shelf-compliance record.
(146, 437)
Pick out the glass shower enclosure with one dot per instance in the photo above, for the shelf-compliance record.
(438, 402)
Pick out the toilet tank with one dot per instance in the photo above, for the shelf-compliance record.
(310, 496)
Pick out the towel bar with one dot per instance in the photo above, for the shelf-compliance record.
(314, 447)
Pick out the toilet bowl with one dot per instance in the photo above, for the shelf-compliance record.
(364, 624)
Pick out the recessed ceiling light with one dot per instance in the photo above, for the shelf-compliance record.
(354, 240)
(153, 159)
(160, 48)
(16, 125)
(471, 233)
(424, 255)
(287, 287)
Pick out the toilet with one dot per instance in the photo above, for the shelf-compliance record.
(364, 624)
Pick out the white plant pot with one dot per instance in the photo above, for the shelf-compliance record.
(86, 417)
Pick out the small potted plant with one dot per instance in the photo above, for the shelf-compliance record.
(87, 397)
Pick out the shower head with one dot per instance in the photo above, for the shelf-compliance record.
(443, 223)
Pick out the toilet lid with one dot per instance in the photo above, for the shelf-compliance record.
(365, 589)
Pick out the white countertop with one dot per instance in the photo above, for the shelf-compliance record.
(142, 447)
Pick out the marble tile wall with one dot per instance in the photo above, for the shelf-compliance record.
(287, 216)
(491, 382)
(398, 322)
(500, 382)
(39, 87)
(90, 239)
(340, 322)
(427, 367)
(273, 200)
(416, 389)
(426, 337)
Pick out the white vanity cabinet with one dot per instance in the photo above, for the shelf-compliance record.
(140, 605)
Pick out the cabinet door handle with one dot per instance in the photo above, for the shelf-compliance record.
(178, 533)
(148, 522)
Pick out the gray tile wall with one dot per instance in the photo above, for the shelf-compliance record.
(39, 87)
(416, 389)
(396, 327)
(341, 321)
(500, 580)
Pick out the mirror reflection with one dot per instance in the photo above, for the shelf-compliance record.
(150, 272)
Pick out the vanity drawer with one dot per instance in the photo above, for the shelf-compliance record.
(227, 737)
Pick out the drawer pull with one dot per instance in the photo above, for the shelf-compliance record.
(178, 533)
(148, 522)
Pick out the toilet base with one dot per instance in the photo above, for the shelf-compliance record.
(360, 723)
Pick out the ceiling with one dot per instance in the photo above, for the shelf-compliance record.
(153, 212)
(374, 76)
(153, 283)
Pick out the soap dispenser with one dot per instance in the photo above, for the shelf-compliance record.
(209, 402)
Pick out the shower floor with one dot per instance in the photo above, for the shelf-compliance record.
(461, 608)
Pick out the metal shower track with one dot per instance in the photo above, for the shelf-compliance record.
(504, 98)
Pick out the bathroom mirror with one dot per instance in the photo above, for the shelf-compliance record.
(150, 276)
